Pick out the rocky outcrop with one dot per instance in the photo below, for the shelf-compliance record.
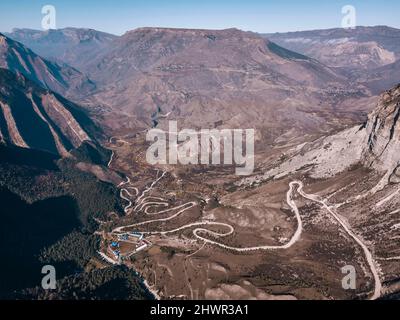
(395, 176)
(375, 145)
(382, 150)
(63, 118)
(12, 129)
(369, 56)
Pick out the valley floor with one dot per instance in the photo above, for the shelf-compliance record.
(273, 241)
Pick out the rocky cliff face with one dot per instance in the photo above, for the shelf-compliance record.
(375, 145)
(32, 117)
(62, 79)
(383, 133)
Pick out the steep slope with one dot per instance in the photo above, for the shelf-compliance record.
(213, 78)
(61, 79)
(33, 117)
(74, 46)
(383, 132)
(374, 145)
(366, 55)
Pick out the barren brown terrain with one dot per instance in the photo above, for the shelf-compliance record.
(324, 193)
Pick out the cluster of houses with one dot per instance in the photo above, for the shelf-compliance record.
(138, 240)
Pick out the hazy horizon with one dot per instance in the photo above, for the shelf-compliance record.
(158, 27)
(254, 15)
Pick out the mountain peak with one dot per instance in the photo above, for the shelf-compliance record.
(212, 34)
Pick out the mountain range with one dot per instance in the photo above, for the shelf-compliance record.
(73, 46)
(368, 55)
(208, 78)
(74, 108)
(359, 48)
(62, 79)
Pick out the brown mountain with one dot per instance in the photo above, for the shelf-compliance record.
(374, 145)
(383, 131)
(33, 117)
(215, 78)
(366, 55)
(74, 46)
(360, 48)
(61, 79)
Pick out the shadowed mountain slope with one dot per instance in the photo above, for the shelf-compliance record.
(36, 118)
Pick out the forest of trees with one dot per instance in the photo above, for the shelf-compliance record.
(113, 283)
(48, 219)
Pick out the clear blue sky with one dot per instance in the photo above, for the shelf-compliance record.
(118, 16)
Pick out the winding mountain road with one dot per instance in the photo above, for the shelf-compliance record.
(368, 255)
(196, 231)
(199, 231)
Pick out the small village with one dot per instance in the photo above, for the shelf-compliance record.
(121, 246)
